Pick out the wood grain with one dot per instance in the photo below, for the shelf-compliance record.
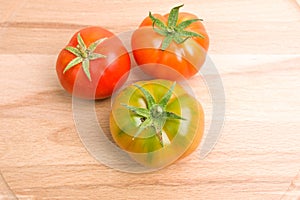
(255, 47)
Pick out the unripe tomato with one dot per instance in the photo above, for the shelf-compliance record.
(156, 122)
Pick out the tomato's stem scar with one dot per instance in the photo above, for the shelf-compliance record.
(84, 55)
(156, 114)
(173, 31)
(156, 111)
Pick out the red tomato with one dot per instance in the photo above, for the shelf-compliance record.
(170, 46)
(93, 62)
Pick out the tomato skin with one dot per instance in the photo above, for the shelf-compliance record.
(184, 135)
(105, 72)
(181, 60)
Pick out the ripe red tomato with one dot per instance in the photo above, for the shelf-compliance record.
(177, 41)
(93, 62)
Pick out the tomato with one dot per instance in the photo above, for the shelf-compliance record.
(157, 122)
(171, 46)
(93, 62)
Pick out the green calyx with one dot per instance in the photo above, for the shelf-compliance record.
(173, 31)
(84, 55)
(155, 115)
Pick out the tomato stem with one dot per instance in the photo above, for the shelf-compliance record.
(173, 31)
(84, 55)
(155, 115)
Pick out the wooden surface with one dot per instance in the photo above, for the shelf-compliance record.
(255, 47)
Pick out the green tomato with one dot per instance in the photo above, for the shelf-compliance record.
(156, 122)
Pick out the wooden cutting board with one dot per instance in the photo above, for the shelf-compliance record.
(255, 48)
